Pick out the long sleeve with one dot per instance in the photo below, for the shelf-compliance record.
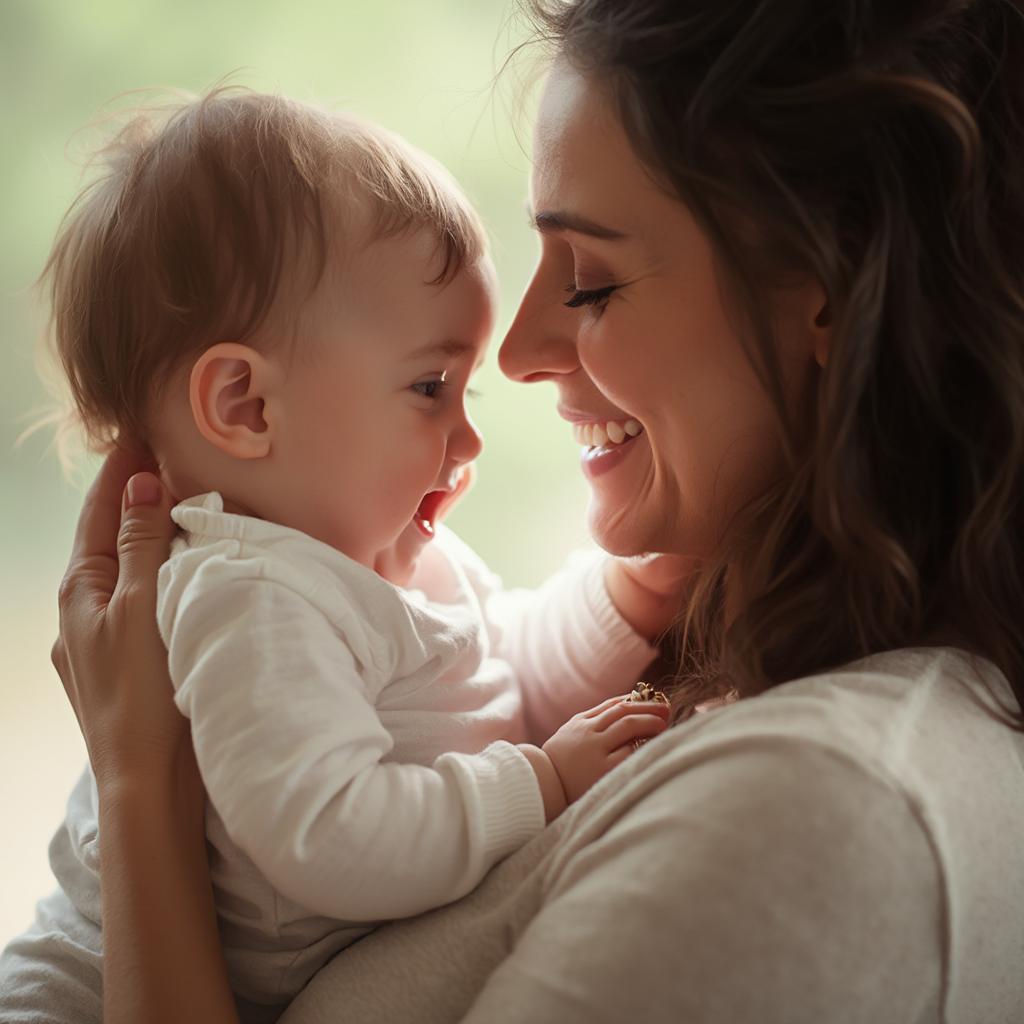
(567, 643)
(290, 748)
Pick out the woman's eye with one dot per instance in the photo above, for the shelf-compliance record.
(589, 296)
(430, 388)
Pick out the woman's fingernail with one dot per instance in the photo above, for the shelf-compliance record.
(143, 489)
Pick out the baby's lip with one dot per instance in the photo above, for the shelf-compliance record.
(461, 483)
(436, 503)
(428, 513)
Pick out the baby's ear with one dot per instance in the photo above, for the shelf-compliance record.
(229, 389)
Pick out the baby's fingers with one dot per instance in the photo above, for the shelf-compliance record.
(598, 709)
(622, 708)
(616, 757)
(633, 727)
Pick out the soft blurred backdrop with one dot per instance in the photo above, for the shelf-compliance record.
(423, 67)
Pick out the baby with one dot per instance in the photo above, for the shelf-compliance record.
(287, 307)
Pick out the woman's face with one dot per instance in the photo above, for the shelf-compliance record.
(625, 316)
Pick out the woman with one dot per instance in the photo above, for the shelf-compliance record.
(791, 234)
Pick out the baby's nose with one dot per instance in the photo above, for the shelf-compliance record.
(466, 442)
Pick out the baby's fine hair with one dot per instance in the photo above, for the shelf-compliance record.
(206, 213)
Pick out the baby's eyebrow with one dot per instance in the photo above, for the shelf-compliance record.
(451, 347)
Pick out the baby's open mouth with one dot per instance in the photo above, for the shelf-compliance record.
(436, 504)
(426, 515)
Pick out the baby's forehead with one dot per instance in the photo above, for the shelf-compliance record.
(394, 293)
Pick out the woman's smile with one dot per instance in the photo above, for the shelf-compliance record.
(606, 433)
(601, 459)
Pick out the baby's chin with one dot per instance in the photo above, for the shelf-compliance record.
(398, 562)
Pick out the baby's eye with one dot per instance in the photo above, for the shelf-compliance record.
(430, 388)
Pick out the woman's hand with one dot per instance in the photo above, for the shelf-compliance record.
(109, 654)
(648, 590)
(159, 921)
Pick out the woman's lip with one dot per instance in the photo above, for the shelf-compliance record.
(579, 416)
(598, 461)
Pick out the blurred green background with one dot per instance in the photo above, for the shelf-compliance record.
(424, 68)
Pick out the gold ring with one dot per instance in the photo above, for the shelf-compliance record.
(645, 693)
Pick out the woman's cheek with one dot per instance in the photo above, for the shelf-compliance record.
(617, 360)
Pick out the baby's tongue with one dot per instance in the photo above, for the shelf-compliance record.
(428, 509)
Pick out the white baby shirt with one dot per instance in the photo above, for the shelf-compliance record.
(356, 739)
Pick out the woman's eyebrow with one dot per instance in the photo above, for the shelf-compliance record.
(552, 221)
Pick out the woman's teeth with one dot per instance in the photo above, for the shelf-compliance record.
(596, 435)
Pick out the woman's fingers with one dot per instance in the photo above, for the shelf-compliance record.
(144, 536)
(96, 533)
(633, 727)
(110, 657)
(92, 569)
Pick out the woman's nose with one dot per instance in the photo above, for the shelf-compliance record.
(541, 343)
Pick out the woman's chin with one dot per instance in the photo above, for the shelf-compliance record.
(623, 515)
(618, 531)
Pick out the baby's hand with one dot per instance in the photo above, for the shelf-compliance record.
(594, 742)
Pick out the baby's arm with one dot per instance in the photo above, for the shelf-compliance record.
(290, 749)
(568, 643)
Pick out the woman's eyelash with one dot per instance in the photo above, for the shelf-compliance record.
(588, 296)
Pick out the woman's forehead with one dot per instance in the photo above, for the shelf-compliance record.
(584, 166)
(575, 122)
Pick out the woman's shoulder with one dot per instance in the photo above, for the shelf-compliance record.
(886, 711)
(923, 723)
(889, 781)
(885, 718)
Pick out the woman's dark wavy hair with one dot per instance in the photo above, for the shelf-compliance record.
(878, 146)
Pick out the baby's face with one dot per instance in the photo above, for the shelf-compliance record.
(375, 440)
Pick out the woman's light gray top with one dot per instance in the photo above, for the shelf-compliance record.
(846, 847)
